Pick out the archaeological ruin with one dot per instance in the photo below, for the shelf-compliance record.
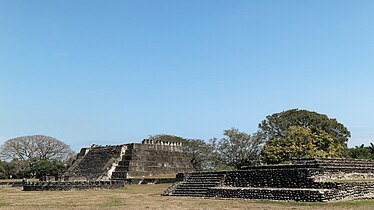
(102, 163)
(113, 166)
(307, 180)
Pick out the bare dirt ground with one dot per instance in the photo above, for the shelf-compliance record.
(146, 197)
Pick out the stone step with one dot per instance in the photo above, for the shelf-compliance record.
(189, 192)
(119, 175)
(204, 178)
(121, 168)
(195, 190)
(190, 195)
(288, 194)
(207, 175)
(124, 162)
(194, 186)
(127, 158)
(199, 184)
(191, 189)
(202, 181)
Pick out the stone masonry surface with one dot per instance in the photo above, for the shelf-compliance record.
(107, 167)
(301, 180)
(119, 162)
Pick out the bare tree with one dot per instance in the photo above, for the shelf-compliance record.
(35, 147)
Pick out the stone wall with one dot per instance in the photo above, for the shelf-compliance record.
(154, 159)
(334, 192)
(284, 194)
(64, 186)
(281, 177)
(81, 185)
(302, 180)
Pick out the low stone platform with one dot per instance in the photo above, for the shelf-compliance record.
(81, 185)
(65, 186)
(312, 180)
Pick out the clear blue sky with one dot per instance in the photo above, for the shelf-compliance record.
(110, 72)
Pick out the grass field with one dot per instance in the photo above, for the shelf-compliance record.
(146, 197)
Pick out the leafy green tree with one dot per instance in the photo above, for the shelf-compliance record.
(40, 168)
(238, 148)
(361, 152)
(302, 142)
(371, 148)
(4, 172)
(201, 154)
(20, 168)
(275, 126)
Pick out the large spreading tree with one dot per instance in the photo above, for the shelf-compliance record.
(302, 142)
(35, 147)
(302, 134)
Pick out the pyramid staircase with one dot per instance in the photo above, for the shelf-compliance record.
(196, 185)
(94, 164)
(120, 173)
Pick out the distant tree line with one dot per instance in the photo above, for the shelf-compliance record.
(34, 157)
(280, 137)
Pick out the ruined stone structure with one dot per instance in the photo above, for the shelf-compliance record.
(64, 186)
(307, 180)
(104, 163)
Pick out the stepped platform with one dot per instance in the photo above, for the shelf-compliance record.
(120, 162)
(196, 184)
(95, 163)
(312, 180)
(97, 166)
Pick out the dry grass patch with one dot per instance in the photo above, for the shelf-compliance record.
(145, 197)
